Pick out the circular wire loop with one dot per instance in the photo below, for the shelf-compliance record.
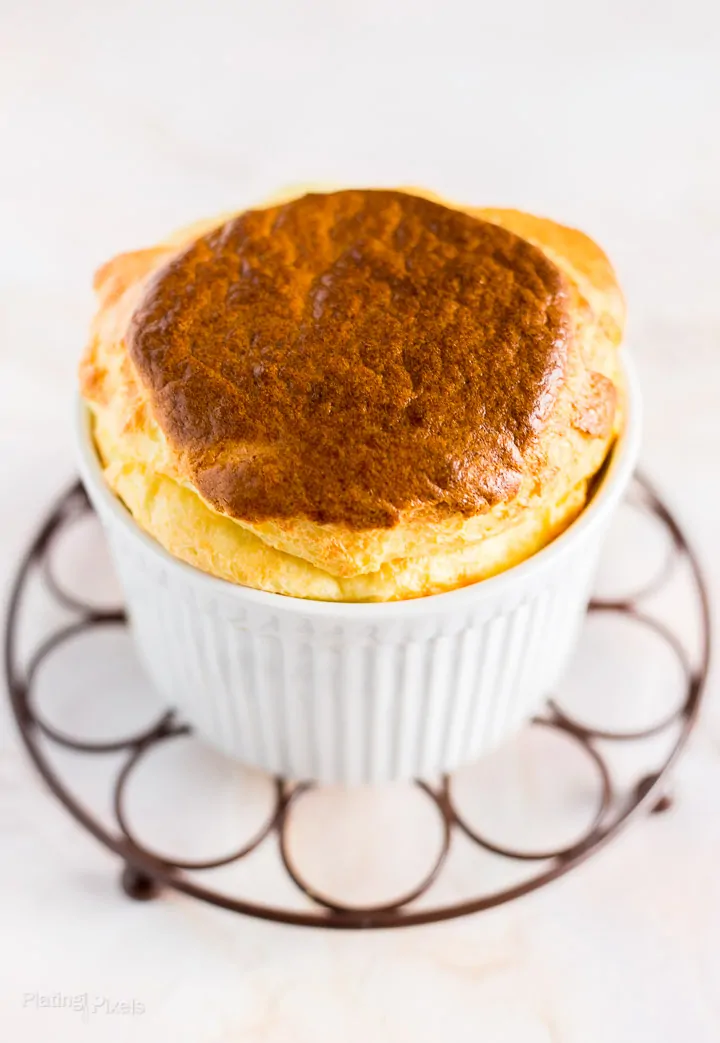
(190, 864)
(71, 509)
(585, 731)
(146, 870)
(164, 726)
(343, 908)
(643, 498)
(566, 851)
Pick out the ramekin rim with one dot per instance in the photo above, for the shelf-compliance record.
(613, 483)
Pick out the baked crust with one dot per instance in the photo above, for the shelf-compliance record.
(348, 356)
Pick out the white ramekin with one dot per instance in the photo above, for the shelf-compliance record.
(359, 692)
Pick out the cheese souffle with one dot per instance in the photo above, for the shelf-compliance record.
(361, 395)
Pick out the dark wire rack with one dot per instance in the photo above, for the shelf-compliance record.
(145, 872)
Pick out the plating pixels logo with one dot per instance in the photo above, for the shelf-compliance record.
(83, 1003)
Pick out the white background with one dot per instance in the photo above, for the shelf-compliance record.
(119, 121)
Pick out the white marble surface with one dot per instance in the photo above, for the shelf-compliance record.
(120, 121)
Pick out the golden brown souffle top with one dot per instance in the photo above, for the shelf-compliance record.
(347, 355)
